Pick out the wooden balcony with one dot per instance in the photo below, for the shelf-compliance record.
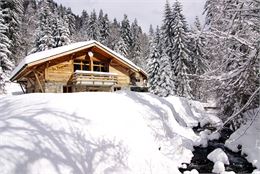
(92, 78)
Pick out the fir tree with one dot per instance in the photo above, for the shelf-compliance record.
(104, 28)
(121, 47)
(135, 52)
(167, 29)
(166, 84)
(5, 63)
(71, 21)
(44, 36)
(93, 28)
(61, 33)
(126, 33)
(182, 64)
(12, 11)
(114, 34)
(154, 63)
(28, 27)
(84, 24)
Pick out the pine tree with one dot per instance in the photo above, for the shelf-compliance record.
(104, 28)
(166, 84)
(121, 48)
(5, 63)
(28, 27)
(135, 51)
(71, 21)
(114, 34)
(151, 31)
(93, 28)
(84, 24)
(167, 29)
(44, 36)
(12, 12)
(61, 32)
(126, 33)
(182, 64)
(154, 63)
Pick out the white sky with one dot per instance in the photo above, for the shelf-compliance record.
(146, 11)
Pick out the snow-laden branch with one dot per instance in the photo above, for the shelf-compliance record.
(244, 107)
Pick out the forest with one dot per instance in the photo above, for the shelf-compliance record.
(216, 60)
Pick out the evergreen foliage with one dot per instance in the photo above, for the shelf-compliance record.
(182, 62)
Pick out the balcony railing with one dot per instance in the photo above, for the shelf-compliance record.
(92, 78)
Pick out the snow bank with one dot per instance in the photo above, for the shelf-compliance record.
(94, 133)
(248, 136)
(13, 88)
(192, 112)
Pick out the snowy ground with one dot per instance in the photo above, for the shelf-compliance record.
(249, 137)
(81, 133)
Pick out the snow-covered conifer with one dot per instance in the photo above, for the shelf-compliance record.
(44, 37)
(12, 11)
(104, 28)
(154, 63)
(6, 64)
(126, 32)
(93, 28)
(135, 52)
(182, 64)
(121, 47)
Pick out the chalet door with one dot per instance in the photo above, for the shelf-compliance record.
(67, 89)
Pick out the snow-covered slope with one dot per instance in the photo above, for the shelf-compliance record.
(248, 136)
(85, 133)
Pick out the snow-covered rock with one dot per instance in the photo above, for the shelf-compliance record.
(95, 133)
(193, 171)
(218, 167)
(256, 171)
(218, 155)
(248, 136)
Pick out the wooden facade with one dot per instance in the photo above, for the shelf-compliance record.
(91, 67)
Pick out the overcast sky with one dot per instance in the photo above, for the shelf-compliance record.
(146, 11)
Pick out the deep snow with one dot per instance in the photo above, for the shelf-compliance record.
(123, 132)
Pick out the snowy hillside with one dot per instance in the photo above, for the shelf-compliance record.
(80, 133)
(248, 136)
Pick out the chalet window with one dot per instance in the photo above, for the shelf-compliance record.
(100, 67)
(81, 65)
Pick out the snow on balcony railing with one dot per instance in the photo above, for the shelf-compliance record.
(92, 78)
(95, 73)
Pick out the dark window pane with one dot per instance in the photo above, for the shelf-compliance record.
(104, 69)
(96, 68)
(77, 67)
(85, 67)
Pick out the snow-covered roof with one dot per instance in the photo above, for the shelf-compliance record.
(63, 49)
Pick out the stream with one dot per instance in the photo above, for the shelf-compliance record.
(238, 162)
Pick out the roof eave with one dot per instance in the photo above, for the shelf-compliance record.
(13, 78)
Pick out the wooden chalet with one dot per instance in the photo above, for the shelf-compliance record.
(78, 67)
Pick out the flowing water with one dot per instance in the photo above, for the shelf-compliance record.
(238, 162)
